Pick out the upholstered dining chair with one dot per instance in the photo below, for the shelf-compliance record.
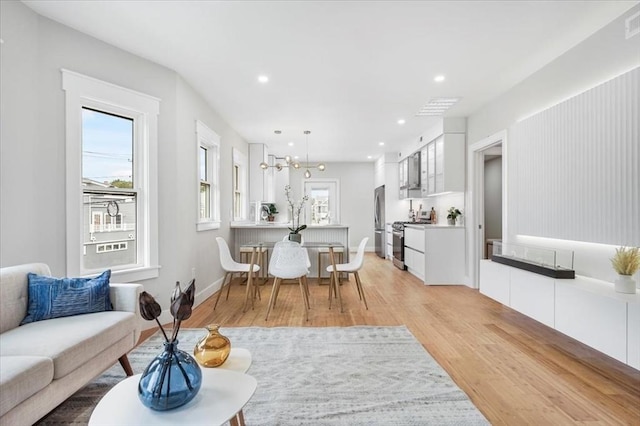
(231, 267)
(350, 268)
(289, 260)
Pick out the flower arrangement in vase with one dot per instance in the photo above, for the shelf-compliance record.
(626, 262)
(296, 209)
(172, 378)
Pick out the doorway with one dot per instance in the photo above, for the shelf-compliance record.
(492, 199)
(484, 201)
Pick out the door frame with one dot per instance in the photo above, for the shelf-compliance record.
(475, 200)
(336, 208)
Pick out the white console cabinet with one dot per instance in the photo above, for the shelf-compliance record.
(585, 309)
(532, 294)
(600, 322)
(494, 281)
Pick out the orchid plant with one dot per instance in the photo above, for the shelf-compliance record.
(296, 209)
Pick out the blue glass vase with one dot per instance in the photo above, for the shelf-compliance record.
(172, 379)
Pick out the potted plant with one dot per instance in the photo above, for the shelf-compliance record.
(295, 228)
(453, 215)
(626, 262)
(273, 210)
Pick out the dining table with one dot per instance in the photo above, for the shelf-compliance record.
(256, 247)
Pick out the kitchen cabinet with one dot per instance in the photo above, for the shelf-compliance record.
(443, 165)
(435, 254)
(261, 182)
(403, 169)
(414, 256)
(444, 251)
(409, 173)
(389, 241)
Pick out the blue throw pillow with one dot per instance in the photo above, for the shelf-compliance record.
(62, 297)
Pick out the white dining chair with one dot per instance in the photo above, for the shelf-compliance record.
(350, 268)
(289, 260)
(231, 267)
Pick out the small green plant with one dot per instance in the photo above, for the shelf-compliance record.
(272, 209)
(453, 213)
(626, 261)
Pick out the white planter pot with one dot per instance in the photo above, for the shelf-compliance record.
(625, 284)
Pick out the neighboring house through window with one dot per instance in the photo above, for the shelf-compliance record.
(208, 145)
(111, 179)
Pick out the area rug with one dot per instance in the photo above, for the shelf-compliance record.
(318, 376)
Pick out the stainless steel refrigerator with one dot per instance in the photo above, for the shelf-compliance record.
(378, 214)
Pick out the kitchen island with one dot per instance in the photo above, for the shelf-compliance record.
(435, 253)
(270, 232)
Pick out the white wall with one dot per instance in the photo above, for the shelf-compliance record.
(356, 197)
(32, 224)
(594, 61)
(24, 231)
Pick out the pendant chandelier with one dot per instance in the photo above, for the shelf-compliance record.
(288, 161)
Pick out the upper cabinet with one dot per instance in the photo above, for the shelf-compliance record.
(409, 175)
(443, 168)
(261, 182)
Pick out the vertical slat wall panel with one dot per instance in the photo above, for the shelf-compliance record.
(574, 168)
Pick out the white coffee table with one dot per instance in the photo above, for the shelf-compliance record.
(224, 392)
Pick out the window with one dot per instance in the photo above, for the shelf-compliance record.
(111, 179)
(324, 201)
(114, 223)
(208, 144)
(240, 192)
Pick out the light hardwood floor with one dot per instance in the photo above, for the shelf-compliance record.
(515, 370)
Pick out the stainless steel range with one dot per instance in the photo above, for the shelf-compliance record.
(398, 244)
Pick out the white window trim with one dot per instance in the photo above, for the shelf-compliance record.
(240, 160)
(207, 138)
(80, 91)
(311, 181)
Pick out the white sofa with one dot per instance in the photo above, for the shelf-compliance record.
(44, 362)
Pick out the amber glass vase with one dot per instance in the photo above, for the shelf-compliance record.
(213, 349)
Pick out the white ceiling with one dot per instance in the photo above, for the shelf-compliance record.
(347, 71)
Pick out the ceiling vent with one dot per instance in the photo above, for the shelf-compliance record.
(437, 106)
(632, 25)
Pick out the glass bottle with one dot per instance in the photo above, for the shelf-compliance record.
(213, 349)
(172, 379)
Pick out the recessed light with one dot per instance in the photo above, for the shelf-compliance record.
(438, 78)
(401, 121)
(381, 143)
(263, 78)
(290, 144)
(369, 157)
(296, 157)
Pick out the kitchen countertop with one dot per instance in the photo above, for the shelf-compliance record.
(429, 226)
(280, 225)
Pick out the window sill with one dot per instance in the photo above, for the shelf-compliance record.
(206, 226)
(135, 275)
